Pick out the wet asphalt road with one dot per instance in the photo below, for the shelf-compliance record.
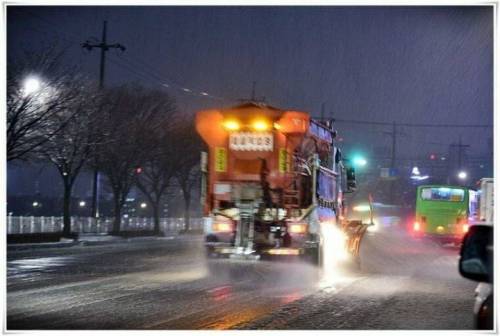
(167, 284)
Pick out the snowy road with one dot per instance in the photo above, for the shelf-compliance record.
(167, 284)
(404, 284)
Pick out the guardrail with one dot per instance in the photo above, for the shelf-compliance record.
(32, 224)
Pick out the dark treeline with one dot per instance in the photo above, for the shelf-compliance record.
(132, 135)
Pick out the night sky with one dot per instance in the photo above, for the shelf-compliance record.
(404, 64)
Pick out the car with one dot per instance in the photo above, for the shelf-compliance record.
(476, 263)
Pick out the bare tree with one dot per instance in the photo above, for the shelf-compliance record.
(70, 140)
(159, 167)
(38, 87)
(135, 116)
(187, 172)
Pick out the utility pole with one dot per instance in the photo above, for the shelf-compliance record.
(393, 151)
(104, 46)
(460, 151)
(393, 134)
(253, 98)
(253, 90)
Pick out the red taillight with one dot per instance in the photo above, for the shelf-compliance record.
(416, 226)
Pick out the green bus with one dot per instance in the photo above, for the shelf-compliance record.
(443, 211)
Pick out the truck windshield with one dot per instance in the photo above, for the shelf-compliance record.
(443, 194)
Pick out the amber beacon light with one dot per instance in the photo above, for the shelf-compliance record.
(231, 125)
(260, 125)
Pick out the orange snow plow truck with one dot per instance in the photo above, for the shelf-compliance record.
(273, 183)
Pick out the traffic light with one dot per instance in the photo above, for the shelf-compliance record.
(432, 156)
(359, 161)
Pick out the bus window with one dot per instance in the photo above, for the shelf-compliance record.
(443, 194)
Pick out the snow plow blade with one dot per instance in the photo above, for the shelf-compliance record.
(355, 231)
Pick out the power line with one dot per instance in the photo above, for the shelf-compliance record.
(141, 75)
(382, 123)
(143, 67)
(168, 82)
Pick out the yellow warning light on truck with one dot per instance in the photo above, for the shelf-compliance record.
(283, 160)
(260, 125)
(231, 125)
(220, 159)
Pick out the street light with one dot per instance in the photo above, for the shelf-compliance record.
(143, 205)
(462, 175)
(31, 85)
(35, 204)
(82, 204)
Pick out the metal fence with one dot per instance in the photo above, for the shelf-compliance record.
(32, 224)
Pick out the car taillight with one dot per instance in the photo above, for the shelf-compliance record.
(416, 226)
(222, 227)
(297, 228)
